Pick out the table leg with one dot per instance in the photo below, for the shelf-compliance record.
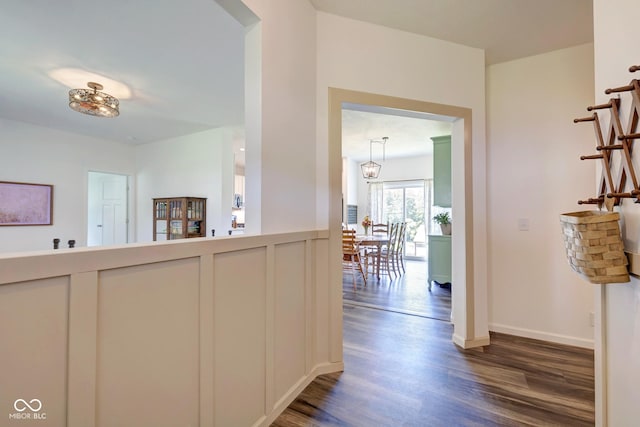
(378, 261)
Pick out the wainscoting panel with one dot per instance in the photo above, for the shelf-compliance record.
(148, 335)
(33, 354)
(209, 332)
(239, 325)
(290, 340)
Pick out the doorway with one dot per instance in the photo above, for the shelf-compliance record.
(107, 209)
(469, 318)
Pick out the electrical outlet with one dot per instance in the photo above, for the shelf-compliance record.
(592, 319)
(523, 224)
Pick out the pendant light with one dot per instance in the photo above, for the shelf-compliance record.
(371, 169)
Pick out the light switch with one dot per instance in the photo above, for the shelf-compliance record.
(523, 224)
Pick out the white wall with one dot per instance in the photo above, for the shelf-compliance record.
(196, 165)
(534, 173)
(617, 48)
(199, 165)
(287, 100)
(363, 57)
(41, 155)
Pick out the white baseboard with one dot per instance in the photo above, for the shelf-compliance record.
(540, 335)
(465, 344)
(290, 396)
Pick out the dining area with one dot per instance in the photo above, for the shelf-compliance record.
(375, 253)
(377, 275)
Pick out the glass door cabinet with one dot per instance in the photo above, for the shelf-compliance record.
(179, 218)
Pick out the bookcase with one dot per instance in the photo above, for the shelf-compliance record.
(179, 218)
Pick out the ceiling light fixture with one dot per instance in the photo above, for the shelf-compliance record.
(371, 169)
(92, 102)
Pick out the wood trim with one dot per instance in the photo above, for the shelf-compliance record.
(207, 341)
(37, 265)
(82, 356)
(600, 355)
(466, 327)
(470, 343)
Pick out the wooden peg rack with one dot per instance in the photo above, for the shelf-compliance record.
(614, 143)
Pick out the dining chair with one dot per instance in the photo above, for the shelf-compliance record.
(380, 228)
(351, 255)
(386, 255)
(398, 248)
(377, 229)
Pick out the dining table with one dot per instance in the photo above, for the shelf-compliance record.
(373, 240)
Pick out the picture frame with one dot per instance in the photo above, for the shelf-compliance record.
(25, 204)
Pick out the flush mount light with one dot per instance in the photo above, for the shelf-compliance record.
(93, 102)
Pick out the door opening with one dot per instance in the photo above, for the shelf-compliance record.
(108, 209)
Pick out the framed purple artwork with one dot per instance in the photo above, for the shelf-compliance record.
(25, 204)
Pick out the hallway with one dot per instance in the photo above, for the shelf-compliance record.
(401, 369)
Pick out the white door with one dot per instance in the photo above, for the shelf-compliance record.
(107, 221)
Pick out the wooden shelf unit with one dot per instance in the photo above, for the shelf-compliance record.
(179, 218)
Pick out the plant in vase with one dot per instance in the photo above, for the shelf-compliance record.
(366, 223)
(445, 222)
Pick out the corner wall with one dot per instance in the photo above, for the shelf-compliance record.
(617, 367)
(287, 114)
(534, 173)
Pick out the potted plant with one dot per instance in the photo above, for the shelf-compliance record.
(444, 220)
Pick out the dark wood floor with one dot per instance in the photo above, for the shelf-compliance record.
(403, 370)
(407, 293)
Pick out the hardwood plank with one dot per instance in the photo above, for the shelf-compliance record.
(403, 370)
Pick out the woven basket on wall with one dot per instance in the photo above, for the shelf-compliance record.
(594, 246)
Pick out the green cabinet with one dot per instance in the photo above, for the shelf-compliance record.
(439, 259)
(442, 171)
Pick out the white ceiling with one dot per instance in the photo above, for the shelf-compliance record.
(409, 132)
(505, 29)
(183, 61)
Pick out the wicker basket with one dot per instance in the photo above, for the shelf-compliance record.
(594, 247)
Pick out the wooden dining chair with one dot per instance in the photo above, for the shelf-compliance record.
(380, 228)
(386, 255)
(351, 255)
(398, 248)
(377, 229)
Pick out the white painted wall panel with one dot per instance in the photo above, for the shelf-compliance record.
(148, 334)
(33, 354)
(240, 336)
(178, 333)
(290, 316)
